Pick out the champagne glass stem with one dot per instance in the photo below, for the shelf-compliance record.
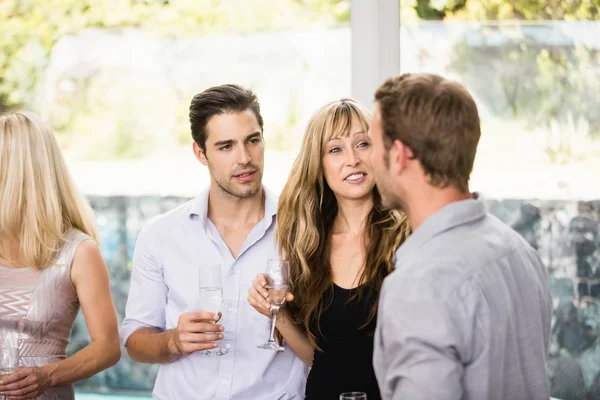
(274, 311)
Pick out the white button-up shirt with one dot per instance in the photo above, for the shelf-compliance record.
(164, 285)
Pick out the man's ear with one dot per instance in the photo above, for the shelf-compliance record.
(200, 154)
(400, 155)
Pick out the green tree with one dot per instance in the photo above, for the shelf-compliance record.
(29, 28)
(554, 86)
(88, 112)
(486, 10)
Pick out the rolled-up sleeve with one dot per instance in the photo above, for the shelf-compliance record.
(417, 343)
(147, 291)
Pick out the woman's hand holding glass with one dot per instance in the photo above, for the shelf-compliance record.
(258, 296)
(269, 293)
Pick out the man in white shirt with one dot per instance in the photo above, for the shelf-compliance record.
(232, 224)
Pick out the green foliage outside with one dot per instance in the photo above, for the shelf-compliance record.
(555, 87)
(29, 28)
(491, 10)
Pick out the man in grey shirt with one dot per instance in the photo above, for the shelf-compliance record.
(466, 314)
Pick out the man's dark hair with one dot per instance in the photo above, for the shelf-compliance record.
(220, 100)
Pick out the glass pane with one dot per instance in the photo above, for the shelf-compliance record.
(537, 86)
(115, 80)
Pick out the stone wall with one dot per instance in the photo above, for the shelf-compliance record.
(566, 234)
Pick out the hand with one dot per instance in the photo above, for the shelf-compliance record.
(26, 383)
(258, 296)
(190, 336)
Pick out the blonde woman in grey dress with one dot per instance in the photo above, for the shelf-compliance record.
(50, 265)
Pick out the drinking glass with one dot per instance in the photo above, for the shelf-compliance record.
(353, 396)
(9, 361)
(211, 297)
(276, 275)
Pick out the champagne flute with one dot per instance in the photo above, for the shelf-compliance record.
(353, 396)
(276, 275)
(9, 361)
(211, 297)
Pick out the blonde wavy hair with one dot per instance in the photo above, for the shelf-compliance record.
(39, 203)
(306, 212)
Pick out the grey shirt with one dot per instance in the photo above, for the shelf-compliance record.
(466, 314)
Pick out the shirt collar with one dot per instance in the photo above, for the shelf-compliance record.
(271, 202)
(199, 204)
(448, 217)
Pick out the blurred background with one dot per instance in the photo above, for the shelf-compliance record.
(114, 79)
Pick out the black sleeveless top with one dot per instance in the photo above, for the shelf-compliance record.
(346, 361)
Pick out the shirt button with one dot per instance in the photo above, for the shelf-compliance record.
(230, 309)
(227, 346)
(224, 383)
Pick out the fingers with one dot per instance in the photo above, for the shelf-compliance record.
(261, 279)
(197, 316)
(257, 301)
(23, 387)
(206, 327)
(28, 392)
(259, 294)
(189, 348)
(190, 342)
(200, 337)
(258, 304)
(259, 286)
(199, 327)
(31, 395)
(9, 382)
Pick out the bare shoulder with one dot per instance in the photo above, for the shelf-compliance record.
(87, 250)
(87, 261)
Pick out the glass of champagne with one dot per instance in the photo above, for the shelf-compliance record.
(353, 396)
(9, 361)
(276, 275)
(211, 297)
